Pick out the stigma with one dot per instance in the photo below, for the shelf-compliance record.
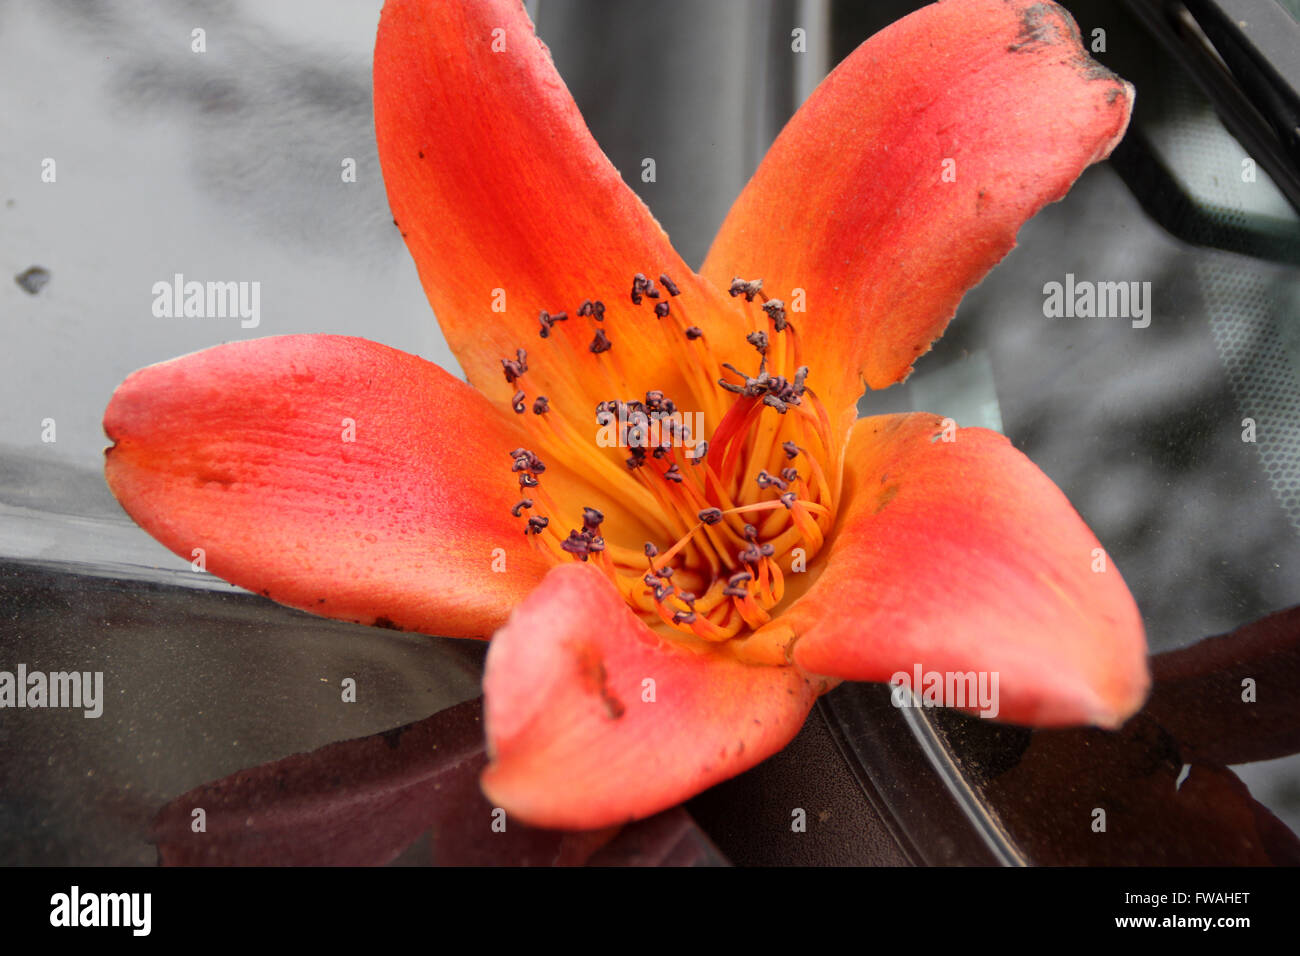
(733, 475)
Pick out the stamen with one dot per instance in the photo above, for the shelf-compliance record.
(747, 288)
(547, 320)
(516, 367)
(595, 310)
(728, 577)
(576, 545)
(775, 310)
(531, 461)
(736, 584)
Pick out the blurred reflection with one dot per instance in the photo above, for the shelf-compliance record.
(410, 794)
(1160, 791)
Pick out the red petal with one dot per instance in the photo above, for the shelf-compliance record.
(498, 185)
(851, 205)
(574, 741)
(962, 556)
(240, 450)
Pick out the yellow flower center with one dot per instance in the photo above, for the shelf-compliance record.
(741, 486)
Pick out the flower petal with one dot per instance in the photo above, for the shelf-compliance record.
(244, 451)
(962, 556)
(593, 719)
(506, 201)
(852, 203)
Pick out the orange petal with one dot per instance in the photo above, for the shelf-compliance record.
(593, 719)
(506, 200)
(962, 556)
(243, 451)
(852, 203)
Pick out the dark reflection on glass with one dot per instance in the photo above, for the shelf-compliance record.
(1160, 790)
(408, 795)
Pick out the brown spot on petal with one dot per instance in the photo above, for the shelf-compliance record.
(1040, 25)
(211, 476)
(591, 670)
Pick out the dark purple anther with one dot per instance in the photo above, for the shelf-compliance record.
(710, 515)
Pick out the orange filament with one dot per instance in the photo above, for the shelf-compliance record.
(733, 504)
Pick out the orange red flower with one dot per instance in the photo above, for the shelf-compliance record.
(654, 493)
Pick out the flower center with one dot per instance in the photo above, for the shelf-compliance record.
(739, 487)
